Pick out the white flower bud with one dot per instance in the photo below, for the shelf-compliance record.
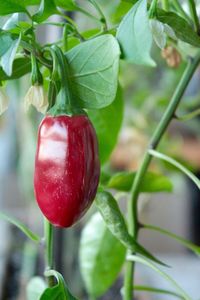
(37, 97)
(3, 101)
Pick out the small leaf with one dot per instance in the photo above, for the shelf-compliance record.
(21, 226)
(151, 183)
(35, 288)
(176, 164)
(182, 29)
(157, 291)
(8, 57)
(115, 222)
(162, 273)
(182, 241)
(21, 66)
(69, 5)
(134, 35)
(47, 8)
(58, 291)
(107, 123)
(94, 67)
(101, 256)
(158, 31)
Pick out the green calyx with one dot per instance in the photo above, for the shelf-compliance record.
(36, 76)
(64, 102)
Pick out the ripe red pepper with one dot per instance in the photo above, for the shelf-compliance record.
(66, 168)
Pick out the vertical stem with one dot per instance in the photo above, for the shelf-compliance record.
(48, 233)
(193, 13)
(159, 132)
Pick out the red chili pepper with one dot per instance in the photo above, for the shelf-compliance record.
(66, 168)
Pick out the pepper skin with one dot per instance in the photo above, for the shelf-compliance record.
(67, 168)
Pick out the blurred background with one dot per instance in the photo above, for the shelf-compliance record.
(146, 94)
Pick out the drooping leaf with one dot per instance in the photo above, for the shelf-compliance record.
(58, 291)
(177, 165)
(69, 5)
(101, 256)
(145, 262)
(35, 288)
(94, 66)
(11, 22)
(157, 291)
(110, 212)
(180, 240)
(151, 182)
(34, 237)
(107, 122)
(8, 57)
(180, 26)
(21, 66)
(46, 9)
(134, 35)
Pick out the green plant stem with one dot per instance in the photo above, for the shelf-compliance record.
(152, 9)
(180, 10)
(159, 132)
(165, 4)
(189, 116)
(48, 233)
(98, 8)
(193, 13)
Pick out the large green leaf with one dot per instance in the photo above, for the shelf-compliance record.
(107, 122)
(21, 66)
(35, 288)
(151, 183)
(180, 26)
(8, 57)
(94, 65)
(134, 35)
(58, 291)
(101, 256)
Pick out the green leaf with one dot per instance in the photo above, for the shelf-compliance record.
(34, 237)
(101, 256)
(160, 272)
(11, 22)
(59, 291)
(46, 9)
(115, 222)
(35, 288)
(182, 241)
(6, 41)
(21, 66)
(69, 5)
(182, 29)
(157, 291)
(94, 67)
(107, 123)
(11, 6)
(176, 164)
(8, 57)
(134, 35)
(151, 183)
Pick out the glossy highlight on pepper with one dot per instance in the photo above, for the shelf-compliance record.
(67, 168)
